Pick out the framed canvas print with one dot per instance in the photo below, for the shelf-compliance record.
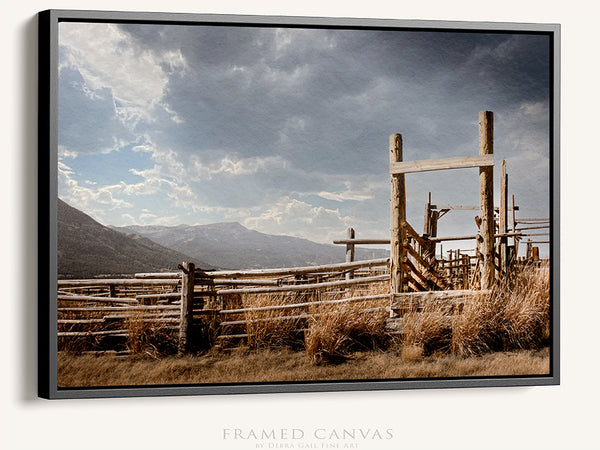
(246, 204)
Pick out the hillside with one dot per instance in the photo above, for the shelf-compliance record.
(87, 249)
(230, 245)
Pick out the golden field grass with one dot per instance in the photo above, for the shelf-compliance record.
(280, 365)
(503, 333)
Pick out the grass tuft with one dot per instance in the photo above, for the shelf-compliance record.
(336, 330)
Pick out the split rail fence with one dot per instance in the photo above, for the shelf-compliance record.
(197, 308)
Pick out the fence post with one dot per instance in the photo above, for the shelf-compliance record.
(398, 216)
(514, 228)
(535, 254)
(504, 218)
(486, 199)
(187, 303)
(350, 252)
(427, 218)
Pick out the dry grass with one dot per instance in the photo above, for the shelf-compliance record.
(337, 330)
(496, 334)
(427, 328)
(154, 337)
(515, 316)
(281, 365)
(274, 328)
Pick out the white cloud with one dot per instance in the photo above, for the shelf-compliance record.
(106, 57)
(97, 201)
(64, 152)
(296, 218)
(231, 165)
(343, 196)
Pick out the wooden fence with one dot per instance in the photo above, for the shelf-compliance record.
(200, 308)
(196, 308)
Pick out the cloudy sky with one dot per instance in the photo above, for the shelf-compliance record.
(286, 130)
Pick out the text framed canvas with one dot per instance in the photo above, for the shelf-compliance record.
(252, 204)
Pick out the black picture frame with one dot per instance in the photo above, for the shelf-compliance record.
(48, 160)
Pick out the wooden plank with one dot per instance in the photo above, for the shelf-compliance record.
(232, 336)
(115, 333)
(398, 217)
(163, 275)
(306, 304)
(468, 208)
(413, 284)
(429, 272)
(247, 282)
(187, 305)
(91, 333)
(350, 234)
(304, 287)
(79, 321)
(533, 228)
(298, 270)
(435, 217)
(427, 217)
(159, 296)
(486, 199)
(514, 228)
(428, 165)
(503, 219)
(119, 282)
(117, 308)
(418, 276)
(439, 295)
(147, 319)
(472, 236)
(91, 298)
(362, 241)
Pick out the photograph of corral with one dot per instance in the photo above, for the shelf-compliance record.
(242, 204)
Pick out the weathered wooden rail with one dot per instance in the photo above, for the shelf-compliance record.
(197, 308)
(193, 305)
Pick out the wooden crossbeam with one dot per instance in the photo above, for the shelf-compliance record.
(467, 208)
(533, 228)
(362, 241)
(421, 240)
(427, 165)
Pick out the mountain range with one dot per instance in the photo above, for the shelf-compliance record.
(86, 248)
(232, 246)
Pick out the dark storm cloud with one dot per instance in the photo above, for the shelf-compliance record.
(287, 115)
(303, 93)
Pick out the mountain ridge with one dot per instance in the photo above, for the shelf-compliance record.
(230, 245)
(86, 249)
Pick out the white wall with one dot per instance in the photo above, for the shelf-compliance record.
(533, 418)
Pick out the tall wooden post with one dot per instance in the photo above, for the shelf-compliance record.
(435, 215)
(504, 218)
(486, 199)
(398, 216)
(350, 251)
(187, 305)
(427, 218)
(514, 229)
